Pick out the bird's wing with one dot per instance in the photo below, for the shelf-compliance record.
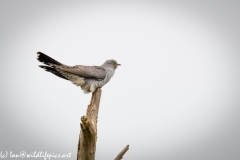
(84, 71)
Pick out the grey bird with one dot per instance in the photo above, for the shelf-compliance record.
(89, 78)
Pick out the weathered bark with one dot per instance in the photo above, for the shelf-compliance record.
(88, 134)
(120, 155)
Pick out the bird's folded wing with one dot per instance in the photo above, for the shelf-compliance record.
(85, 71)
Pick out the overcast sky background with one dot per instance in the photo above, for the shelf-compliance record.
(175, 97)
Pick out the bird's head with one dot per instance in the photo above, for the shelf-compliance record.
(111, 63)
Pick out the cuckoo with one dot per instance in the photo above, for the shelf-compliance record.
(89, 78)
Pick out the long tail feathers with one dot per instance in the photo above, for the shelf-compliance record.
(52, 70)
(51, 63)
(41, 57)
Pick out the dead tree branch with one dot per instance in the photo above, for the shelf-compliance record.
(120, 155)
(88, 134)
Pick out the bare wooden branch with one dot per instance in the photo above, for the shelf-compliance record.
(88, 134)
(120, 155)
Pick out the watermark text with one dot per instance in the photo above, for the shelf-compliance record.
(35, 154)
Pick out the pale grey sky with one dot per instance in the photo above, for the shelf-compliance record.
(175, 97)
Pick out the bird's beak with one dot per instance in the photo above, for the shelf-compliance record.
(119, 64)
